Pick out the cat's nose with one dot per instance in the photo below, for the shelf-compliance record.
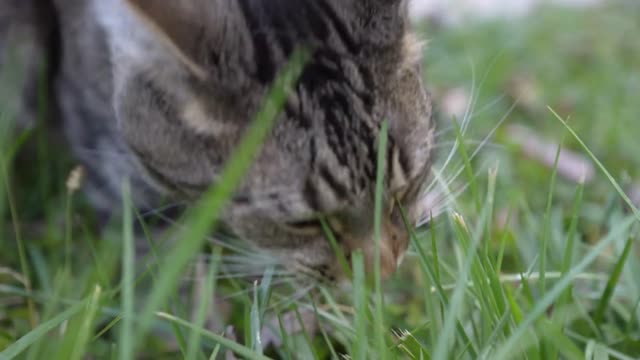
(393, 244)
(388, 260)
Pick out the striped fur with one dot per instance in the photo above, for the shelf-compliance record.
(160, 92)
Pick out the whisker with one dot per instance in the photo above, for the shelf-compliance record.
(212, 239)
(466, 119)
(475, 90)
(260, 269)
(476, 151)
(162, 209)
(246, 260)
(443, 201)
(250, 288)
(248, 276)
(104, 152)
(486, 107)
(287, 301)
(485, 76)
(455, 147)
(471, 142)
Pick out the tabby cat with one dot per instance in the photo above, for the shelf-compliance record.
(161, 91)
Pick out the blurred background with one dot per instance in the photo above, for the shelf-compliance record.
(455, 11)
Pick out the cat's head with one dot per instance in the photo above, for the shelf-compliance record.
(189, 75)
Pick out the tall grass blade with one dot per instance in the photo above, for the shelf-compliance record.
(209, 208)
(128, 275)
(546, 230)
(599, 164)
(305, 334)
(337, 249)
(35, 335)
(377, 226)
(207, 297)
(84, 331)
(467, 165)
(359, 352)
(223, 341)
(445, 343)
(607, 294)
(255, 323)
(571, 237)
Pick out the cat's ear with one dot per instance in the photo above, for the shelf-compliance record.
(177, 23)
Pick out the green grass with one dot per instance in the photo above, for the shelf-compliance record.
(522, 265)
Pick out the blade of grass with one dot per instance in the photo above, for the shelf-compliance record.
(286, 342)
(52, 303)
(12, 75)
(377, 231)
(516, 311)
(467, 165)
(255, 323)
(484, 273)
(359, 352)
(545, 238)
(633, 319)
(332, 303)
(434, 252)
(152, 265)
(503, 242)
(571, 236)
(599, 164)
(223, 341)
(445, 342)
(334, 354)
(15, 349)
(498, 329)
(428, 270)
(204, 303)
(88, 317)
(553, 334)
(68, 224)
(337, 249)
(209, 208)
(305, 333)
(546, 228)
(265, 291)
(22, 257)
(41, 268)
(214, 353)
(128, 269)
(491, 191)
(607, 294)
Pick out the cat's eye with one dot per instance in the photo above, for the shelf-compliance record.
(304, 227)
(313, 226)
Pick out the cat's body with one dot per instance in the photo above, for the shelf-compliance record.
(160, 93)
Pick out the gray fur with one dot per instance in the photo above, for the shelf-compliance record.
(161, 92)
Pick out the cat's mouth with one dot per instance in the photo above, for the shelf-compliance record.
(392, 246)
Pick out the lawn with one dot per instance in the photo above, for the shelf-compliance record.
(526, 258)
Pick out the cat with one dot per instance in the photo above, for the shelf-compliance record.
(161, 92)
